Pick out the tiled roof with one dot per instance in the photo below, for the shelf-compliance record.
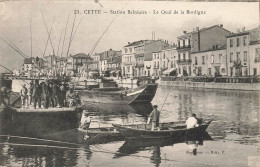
(81, 55)
(137, 43)
(201, 30)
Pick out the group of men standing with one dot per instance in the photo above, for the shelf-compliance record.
(51, 92)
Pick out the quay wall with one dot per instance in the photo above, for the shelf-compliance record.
(212, 85)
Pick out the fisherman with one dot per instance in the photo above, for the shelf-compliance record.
(3, 96)
(85, 121)
(45, 93)
(70, 97)
(155, 117)
(30, 89)
(192, 122)
(55, 94)
(62, 95)
(24, 96)
(36, 94)
(51, 99)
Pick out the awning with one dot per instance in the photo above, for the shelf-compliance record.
(169, 71)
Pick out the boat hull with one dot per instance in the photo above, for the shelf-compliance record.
(135, 133)
(99, 135)
(142, 94)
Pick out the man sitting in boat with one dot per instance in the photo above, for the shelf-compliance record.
(155, 117)
(192, 122)
(85, 121)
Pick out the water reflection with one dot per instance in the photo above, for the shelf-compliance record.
(235, 129)
(154, 145)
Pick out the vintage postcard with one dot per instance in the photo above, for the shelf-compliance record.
(129, 83)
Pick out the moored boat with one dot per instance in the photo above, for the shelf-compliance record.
(142, 94)
(167, 130)
(105, 134)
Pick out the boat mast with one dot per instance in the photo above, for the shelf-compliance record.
(48, 32)
(48, 38)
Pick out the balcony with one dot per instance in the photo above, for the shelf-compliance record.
(237, 63)
(257, 59)
(139, 65)
(184, 61)
(184, 47)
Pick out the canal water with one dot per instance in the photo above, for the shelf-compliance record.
(232, 139)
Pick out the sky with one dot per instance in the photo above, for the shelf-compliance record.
(22, 20)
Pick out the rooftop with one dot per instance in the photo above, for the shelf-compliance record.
(138, 43)
(81, 56)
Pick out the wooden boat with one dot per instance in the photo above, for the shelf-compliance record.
(167, 130)
(142, 94)
(99, 134)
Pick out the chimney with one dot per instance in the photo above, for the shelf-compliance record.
(128, 43)
(221, 25)
(184, 32)
(197, 28)
(110, 49)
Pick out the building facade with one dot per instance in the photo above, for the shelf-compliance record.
(199, 40)
(210, 63)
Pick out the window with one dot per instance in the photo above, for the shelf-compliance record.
(179, 43)
(196, 61)
(154, 65)
(157, 64)
(164, 64)
(244, 41)
(231, 57)
(209, 71)
(245, 55)
(237, 42)
(203, 59)
(212, 58)
(184, 56)
(163, 55)
(179, 56)
(231, 43)
(183, 42)
(220, 58)
(238, 56)
(125, 50)
(130, 50)
(257, 55)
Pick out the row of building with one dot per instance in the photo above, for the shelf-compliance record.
(211, 51)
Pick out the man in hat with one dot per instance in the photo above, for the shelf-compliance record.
(70, 97)
(62, 95)
(155, 117)
(24, 96)
(30, 89)
(45, 93)
(36, 94)
(4, 95)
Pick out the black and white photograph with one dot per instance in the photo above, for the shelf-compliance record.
(107, 83)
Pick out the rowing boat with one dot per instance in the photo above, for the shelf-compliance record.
(100, 135)
(166, 130)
